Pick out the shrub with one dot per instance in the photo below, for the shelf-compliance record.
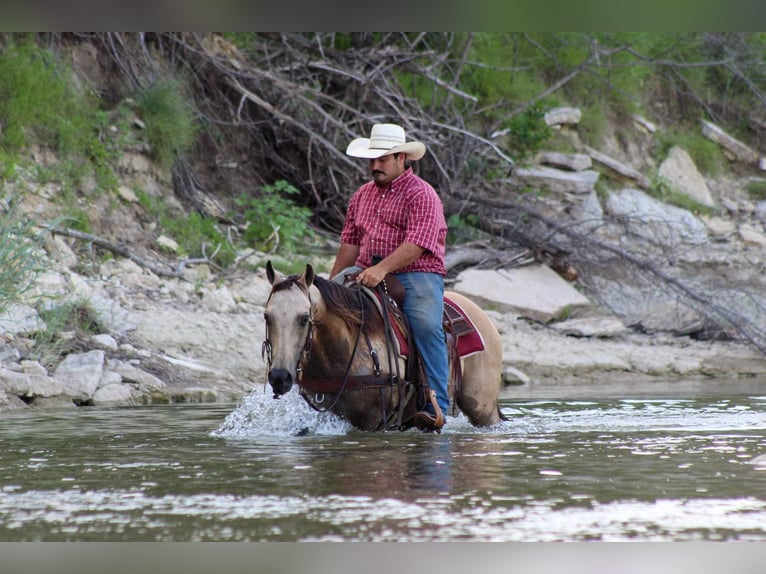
(274, 221)
(756, 188)
(196, 235)
(20, 258)
(169, 118)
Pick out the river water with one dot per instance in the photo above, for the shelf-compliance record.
(663, 462)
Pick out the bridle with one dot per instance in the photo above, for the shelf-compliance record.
(266, 347)
(335, 385)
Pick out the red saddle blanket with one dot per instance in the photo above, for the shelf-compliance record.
(457, 324)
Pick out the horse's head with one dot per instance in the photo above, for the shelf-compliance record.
(289, 322)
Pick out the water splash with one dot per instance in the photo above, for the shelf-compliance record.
(262, 415)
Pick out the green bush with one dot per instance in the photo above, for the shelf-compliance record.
(197, 236)
(66, 324)
(756, 188)
(169, 118)
(21, 258)
(528, 132)
(706, 154)
(38, 103)
(275, 222)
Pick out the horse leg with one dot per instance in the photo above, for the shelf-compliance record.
(482, 372)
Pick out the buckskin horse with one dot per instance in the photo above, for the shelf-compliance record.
(335, 343)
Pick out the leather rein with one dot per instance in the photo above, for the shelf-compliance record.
(338, 385)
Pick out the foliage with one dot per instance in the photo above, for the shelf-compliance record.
(462, 229)
(39, 104)
(664, 191)
(197, 235)
(169, 118)
(705, 153)
(756, 189)
(528, 132)
(65, 323)
(274, 221)
(21, 258)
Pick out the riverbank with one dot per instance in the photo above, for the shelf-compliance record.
(198, 339)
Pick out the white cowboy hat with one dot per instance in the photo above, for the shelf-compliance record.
(385, 139)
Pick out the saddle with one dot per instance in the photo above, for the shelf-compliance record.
(462, 337)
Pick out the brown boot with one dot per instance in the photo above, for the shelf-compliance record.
(427, 421)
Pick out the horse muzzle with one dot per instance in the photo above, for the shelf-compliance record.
(281, 381)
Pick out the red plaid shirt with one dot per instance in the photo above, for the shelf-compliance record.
(379, 219)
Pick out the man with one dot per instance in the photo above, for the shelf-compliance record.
(395, 224)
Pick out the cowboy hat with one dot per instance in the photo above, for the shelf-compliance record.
(385, 139)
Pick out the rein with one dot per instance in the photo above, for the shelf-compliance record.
(336, 385)
(346, 375)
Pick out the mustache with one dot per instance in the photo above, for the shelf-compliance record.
(377, 171)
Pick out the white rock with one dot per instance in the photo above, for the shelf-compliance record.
(534, 291)
(80, 373)
(115, 393)
(682, 173)
(104, 341)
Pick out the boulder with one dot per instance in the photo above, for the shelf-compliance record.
(534, 291)
(558, 116)
(570, 161)
(80, 373)
(655, 220)
(558, 181)
(682, 173)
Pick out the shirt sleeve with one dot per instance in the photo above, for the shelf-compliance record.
(426, 223)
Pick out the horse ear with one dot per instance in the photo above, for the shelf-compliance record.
(308, 276)
(272, 274)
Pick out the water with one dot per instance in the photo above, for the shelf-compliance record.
(672, 462)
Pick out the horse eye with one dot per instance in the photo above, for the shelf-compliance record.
(267, 318)
(303, 320)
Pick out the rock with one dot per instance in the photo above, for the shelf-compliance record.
(599, 327)
(752, 236)
(654, 220)
(219, 301)
(588, 213)
(80, 373)
(104, 341)
(558, 181)
(719, 228)
(131, 374)
(644, 125)
(739, 150)
(533, 291)
(167, 243)
(619, 168)
(680, 170)
(513, 376)
(127, 194)
(113, 394)
(559, 116)
(17, 318)
(29, 385)
(570, 161)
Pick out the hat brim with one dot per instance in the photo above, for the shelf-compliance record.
(360, 147)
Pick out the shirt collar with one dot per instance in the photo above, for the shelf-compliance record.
(397, 180)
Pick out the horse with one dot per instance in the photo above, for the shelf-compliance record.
(329, 339)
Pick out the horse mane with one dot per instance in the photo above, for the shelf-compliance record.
(345, 303)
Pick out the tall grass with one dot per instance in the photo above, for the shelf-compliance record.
(169, 117)
(21, 258)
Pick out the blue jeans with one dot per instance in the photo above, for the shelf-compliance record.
(424, 309)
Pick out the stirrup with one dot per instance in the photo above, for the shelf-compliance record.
(425, 421)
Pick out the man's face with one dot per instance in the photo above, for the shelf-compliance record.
(386, 168)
